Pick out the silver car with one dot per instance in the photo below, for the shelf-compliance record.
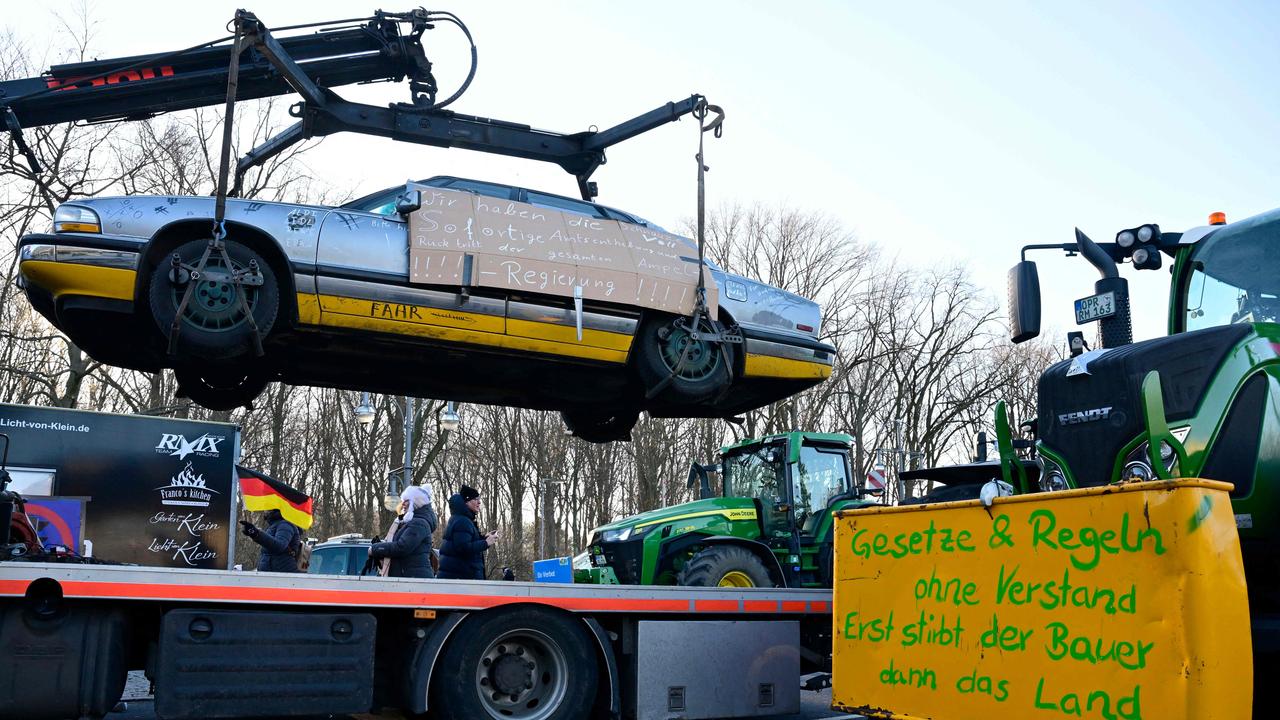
(333, 305)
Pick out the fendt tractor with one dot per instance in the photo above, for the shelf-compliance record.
(771, 526)
(1203, 401)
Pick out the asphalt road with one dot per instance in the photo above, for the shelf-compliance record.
(813, 705)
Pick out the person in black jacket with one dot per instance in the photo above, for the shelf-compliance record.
(462, 552)
(410, 546)
(280, 542)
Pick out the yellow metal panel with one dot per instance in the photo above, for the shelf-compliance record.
(566, 334)
(467, 328)
(1115, 602)
(308, 309)
(75, 279)
(769, 366)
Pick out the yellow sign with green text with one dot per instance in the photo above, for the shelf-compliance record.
(1125, 602)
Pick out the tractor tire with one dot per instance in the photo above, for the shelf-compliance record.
(221, 389)
(725, 566)
(213, 324)
(522, 663)
(947, 493)
(595, 427)
(659, 345)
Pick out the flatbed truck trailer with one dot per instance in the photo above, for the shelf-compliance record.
(224, 644)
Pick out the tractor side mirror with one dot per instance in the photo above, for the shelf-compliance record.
(1024, 301)
(409, 202)
(700, 475)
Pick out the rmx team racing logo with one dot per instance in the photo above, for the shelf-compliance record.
(178, 446)
(186, 488)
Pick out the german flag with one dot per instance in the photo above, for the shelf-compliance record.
(265, 493)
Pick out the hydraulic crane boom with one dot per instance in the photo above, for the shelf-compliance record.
(385, 47)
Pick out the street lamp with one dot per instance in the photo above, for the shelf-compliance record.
(449, 420)
(364, 411)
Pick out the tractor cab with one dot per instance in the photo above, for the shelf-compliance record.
(770, 525)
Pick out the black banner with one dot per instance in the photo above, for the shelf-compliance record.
(159, 491)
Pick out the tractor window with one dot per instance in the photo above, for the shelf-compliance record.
(755, 473)
(820, 476)
(1233, 277)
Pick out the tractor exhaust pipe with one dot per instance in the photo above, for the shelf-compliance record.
(1116, 330)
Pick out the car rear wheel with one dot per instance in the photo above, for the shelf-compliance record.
(601, 427)
(696, 367)
(221, 388)
(725, 566)
(524, 664)
(214, 324)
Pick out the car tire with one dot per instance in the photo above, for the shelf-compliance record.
(221, 388)
(213, 326)
(725, 566)
(596, 427)
(492, 652)
(658, 346)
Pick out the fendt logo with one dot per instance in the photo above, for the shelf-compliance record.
(1084, 416)
(178, 446)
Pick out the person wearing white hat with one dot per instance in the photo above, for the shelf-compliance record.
(408, 545)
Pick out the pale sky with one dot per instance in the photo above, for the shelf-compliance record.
(943, 132)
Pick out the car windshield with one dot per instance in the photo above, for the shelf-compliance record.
(332, 560)
(382, 202)
(1235, 276)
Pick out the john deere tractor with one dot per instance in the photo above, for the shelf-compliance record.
(770, 527)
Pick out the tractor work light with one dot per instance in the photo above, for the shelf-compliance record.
(1146, 233)
(73, 218)
(1126, 239)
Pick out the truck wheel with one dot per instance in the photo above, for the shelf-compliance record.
(725, 566)
(214, 326)
(597, 427)
(525, 664)
(221, 389)
(660, 343)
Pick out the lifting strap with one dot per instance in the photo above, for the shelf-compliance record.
(701, 325)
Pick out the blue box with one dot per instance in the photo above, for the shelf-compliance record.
(553, 570)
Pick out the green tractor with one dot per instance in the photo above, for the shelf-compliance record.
(1203, 401)
(771, 527)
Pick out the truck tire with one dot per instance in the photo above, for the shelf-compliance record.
(213, 325)
(659, 345)
(725, 566)
(517, 664)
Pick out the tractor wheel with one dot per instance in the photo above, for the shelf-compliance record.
(221, 389)
(214, 325)
(596, 427)
(525, 663)
(725, 566)
(660, 344)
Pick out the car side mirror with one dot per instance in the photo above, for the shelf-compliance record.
(1024, 301)
(408, 202)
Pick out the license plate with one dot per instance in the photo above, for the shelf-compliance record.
(1095, 307)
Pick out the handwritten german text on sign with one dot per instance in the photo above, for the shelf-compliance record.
(458, 238)
(1124, 602)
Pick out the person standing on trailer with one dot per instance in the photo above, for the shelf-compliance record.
(409, 546)
(462, 552)
(281, 543)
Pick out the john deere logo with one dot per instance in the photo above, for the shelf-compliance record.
(1084, 416)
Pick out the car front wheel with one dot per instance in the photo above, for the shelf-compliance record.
(676, 366)
(215, 323)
